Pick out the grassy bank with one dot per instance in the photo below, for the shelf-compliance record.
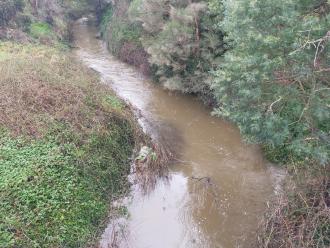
(65, 146)
(264, 65)
(45, 22)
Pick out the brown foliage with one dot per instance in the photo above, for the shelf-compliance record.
(40, 86)
(134, 55)
(300, 217)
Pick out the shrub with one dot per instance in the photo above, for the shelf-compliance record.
(120, 31)
(40, 29)
(134, 54)
(19, 4)
(123, 37)
(183, 42)
(8, 9)
(273, 83)
(77, 8)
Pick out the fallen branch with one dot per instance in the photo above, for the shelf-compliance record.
(319, 44)
(270, 109)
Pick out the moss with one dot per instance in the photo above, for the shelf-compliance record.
(113, 102)
(40, 30)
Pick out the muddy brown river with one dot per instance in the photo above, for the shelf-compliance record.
(218, 189)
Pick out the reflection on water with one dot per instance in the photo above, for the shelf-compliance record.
(219, 187)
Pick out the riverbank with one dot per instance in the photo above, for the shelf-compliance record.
(65, 148)
(275, 90)
(67, 141)
(217, 185)
(276, 93)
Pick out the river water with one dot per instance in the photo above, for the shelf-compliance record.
(215, 195)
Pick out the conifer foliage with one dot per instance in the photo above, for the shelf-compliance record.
(183, 42)
(264, 64)
(274, 83)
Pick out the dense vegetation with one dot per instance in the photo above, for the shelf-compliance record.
(122, 36)
(66, 140)
(179, 40)
(265, 66)
(262, 64)
(182, 41)
(268, 74)
(274, 82)
(45, 21)
(64, 149)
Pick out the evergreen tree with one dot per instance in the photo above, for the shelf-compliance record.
(275, 82)
(183, 42)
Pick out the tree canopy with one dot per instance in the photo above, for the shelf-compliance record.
(183, 41)
(274, 83)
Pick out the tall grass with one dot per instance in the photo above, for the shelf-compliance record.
(300, 216)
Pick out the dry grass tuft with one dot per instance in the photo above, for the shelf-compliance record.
(300, 217)
(134, 55)
(40, 85)
(149, 169)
